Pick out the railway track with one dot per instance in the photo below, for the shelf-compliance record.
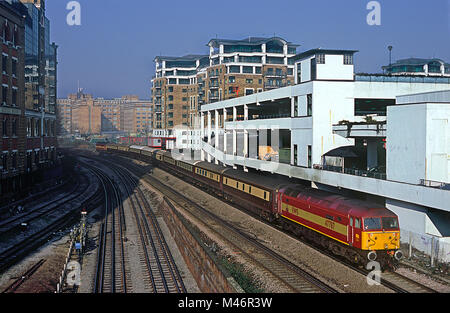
(162, 275)
(161, 268)
(392, 280)
(11, 254)
(111, 274)
(39, 211)
(288, 274)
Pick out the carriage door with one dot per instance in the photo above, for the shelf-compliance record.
(350, 231)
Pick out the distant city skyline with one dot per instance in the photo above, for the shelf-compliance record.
(111, 53)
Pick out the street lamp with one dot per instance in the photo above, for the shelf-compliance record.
(390, 53)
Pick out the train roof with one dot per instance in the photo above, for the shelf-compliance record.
(258, 179)
(211, 167)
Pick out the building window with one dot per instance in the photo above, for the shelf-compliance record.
(5, 127)
(249, 91)
(4, 95)
(320, 58)
(313, 69)
(348, 59)
(5, 161)
(295, 154)
(249, 81)
(247, 69)
(234, 69)
(231, 79)
(14, 127)
(309, 105)
(29, 128)
(258, 70)
(14, 67)
(14, 160)
(14, 97)
(4, 64)
(309, 156)
(295, 106)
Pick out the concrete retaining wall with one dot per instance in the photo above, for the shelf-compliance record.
(209, 275)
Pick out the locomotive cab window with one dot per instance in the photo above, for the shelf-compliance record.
(389, 222)
(357, 223)
(372, 223)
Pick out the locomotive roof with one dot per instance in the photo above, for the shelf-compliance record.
(337, 202)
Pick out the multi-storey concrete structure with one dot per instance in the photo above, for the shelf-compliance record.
(330, 129)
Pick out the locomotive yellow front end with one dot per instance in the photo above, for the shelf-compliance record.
(381, 238)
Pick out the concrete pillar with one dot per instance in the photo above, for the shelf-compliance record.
(234, 114)
(202, 134)
(209, 127)
(209, 133)
(372, 153)
(234, 142)
(216, 132)
(224, 131)
(246, 136)
(245, 112)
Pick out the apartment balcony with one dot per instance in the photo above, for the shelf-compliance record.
(275, 74)
(268, 86)
(213, 75)
(214, 86)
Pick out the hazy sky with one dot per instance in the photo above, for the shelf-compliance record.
(111, 53)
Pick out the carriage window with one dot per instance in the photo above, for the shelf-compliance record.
(237, 185)
(250, 189)
(243, 187)
(265, 195)
(351, 221)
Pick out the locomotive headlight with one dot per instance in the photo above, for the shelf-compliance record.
(372, 256)
(398, 255)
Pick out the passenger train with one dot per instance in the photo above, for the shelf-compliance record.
(358, 230)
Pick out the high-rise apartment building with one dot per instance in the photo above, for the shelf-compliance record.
(232, 69)
(174, 86)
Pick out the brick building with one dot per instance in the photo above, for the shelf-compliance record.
(232, 69)
(82, 114)
(12, 108)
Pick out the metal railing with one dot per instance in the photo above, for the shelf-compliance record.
(351, 171)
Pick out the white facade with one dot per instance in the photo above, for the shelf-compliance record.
(418, 143)
(418, 139)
